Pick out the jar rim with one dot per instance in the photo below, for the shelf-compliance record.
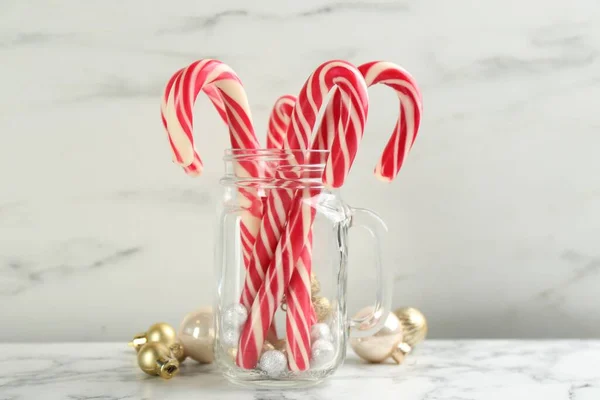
(233, 154)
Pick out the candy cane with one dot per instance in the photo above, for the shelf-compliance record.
(277, 128)
(227, 94)
(279, 120)
(407, 126)
(399, 144)
(280, 201)
(278, 123)
(271, 228)
(276, 131)
(300, 314)
(213, 95)
(387, 168)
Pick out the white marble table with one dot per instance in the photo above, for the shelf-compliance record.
(458, 370)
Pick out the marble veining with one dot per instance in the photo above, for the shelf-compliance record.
(193, 24)
(495, 217)
(466, 370)
(21, 274)
(585, 268)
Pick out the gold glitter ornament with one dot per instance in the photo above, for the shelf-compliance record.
(322, 308)
(414, 325)
(315, 285)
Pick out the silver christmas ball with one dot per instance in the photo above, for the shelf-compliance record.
(273, 362)
(234, 315)
(322, 352)
(230, 336)
(320, 331)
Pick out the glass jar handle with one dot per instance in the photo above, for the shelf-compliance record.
(368, 324)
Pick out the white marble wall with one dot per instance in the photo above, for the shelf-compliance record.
(495, 218)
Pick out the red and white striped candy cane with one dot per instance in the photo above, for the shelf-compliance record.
(394, 153)
(213, 95)
(407, 126)
(281, 202)
(300, 311)
(277, 127)
(261, 255)
(226, 92)
(300, 314)
(387, 169)
(279, 121)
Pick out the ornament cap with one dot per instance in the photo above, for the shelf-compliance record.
(178, 351)
(168, 368)
(398, 356)
(400, 352)
(138, 341)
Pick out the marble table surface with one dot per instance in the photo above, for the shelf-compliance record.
(461, 370)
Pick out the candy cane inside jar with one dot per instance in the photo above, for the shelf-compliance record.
(276, 259)
(388, 167)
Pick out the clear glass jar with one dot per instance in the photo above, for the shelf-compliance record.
(297, 329)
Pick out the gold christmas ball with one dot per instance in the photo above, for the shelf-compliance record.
(382, 345)
(280, 344)
(315, 285)
(322, 308)
(275, 344)
(414, 325)
(155, 358)
(267, 346)
(160, 332)
(197, 334)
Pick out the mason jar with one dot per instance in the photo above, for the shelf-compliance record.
(281, 267)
